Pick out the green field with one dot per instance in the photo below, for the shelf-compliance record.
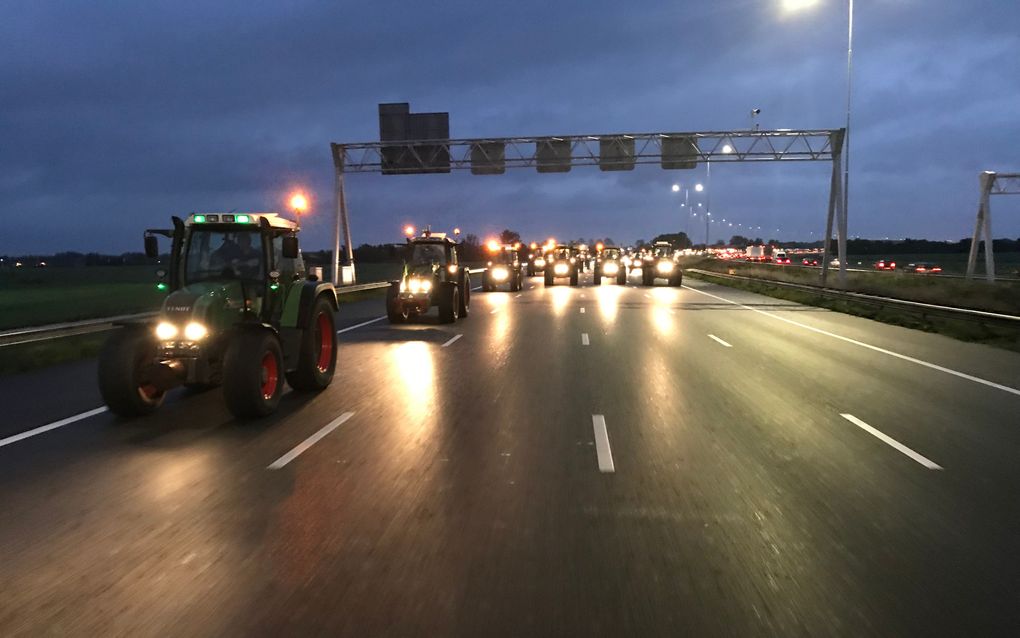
(1006, 264)
(39, 296)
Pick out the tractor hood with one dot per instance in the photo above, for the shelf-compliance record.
(208, 302)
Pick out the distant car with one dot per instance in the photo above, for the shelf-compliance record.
(923, 268)
(810, 260)
(781, 257)
(885, 264)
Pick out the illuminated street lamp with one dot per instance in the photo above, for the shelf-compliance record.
(727, 148)
(409, 230)
(685, 205)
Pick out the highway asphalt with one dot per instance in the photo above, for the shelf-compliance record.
(592, 461)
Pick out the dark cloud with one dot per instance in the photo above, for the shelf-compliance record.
(114, 116)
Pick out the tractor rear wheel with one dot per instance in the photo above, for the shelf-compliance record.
(449, 302)
(678, 280)
(464, 295)
(573, 277)
(253, 374)
(124, 365)
(621, 276)
(548, 277)
(317, 355)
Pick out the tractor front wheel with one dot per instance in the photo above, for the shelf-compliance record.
(449, 302)
(317, 358)
(253, 374)
(124, 366)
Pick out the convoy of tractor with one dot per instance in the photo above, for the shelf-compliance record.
(243, 312)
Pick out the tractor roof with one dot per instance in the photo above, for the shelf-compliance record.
(431, 238)
(242, 219)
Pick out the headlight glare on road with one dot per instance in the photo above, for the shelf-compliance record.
(165, 331)
(195, 331)
(560, 269)
(611, 268)
(500, 274)
(664, 266)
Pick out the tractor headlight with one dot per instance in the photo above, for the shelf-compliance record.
(561, 269)
(540, 262)
(195, 331)
(417, 285)
(664, 266)
(500, 274)
(611, 268)
(165, 331)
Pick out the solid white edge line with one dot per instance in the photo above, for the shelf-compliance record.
(719, 341)
(309, 442)
(14, 438)
(358, 325)
(602, 449)
(584, 339)
(452, 339)
(888, 440)
(933, 366)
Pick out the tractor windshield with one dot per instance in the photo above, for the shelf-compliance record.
(662, 251)
(426, 254)
(610, 254)
(223, 254)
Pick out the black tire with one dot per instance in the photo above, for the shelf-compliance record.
(122, 373)
(678, 280)
(318, 350)
(393, 310)
(549, 281)
(621, 276)
(253, 374)
(573, 277)
(531, 270)
(464, 296)
(449, 302)
(598, 276)
(645, 279)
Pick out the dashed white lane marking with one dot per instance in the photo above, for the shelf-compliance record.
(888, 440)
(719, 341)
(358, 325)
(584, 339)
(933, 366)
(476, 288)
(582, 310)
(517, 295)
(309, 442)
(494, 311)
(602, 449)
(648, 295)
(51, 426)
(452, 339)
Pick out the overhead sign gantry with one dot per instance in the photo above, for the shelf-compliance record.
(992, 183)
(425, 149)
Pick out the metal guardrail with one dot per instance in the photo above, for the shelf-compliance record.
(875, 300)
(33, 334)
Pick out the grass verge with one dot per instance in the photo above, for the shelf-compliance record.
(972, 330)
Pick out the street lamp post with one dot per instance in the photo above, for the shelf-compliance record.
(794, 5)
(687, 206)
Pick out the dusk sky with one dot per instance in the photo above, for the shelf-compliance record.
(115, 115)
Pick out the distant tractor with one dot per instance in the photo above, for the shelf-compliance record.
(608, 263)
(240, 312)
(660, 264)
(503, 268)
(561, 262)
(432, 277)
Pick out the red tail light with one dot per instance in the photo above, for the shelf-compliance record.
(936, 269)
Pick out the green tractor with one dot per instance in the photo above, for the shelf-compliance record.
(432, 277)
(240, 312)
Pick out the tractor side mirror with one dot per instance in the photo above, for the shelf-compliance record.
(151, 247)
(290, 247)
